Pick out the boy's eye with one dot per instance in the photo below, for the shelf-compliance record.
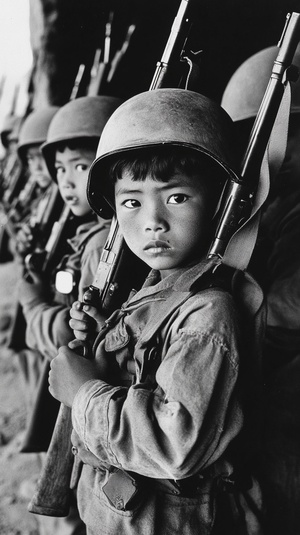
(81, 167)
(59, 172)
(177, 198)
(131, 203)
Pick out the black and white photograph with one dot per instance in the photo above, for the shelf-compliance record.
(149, 267)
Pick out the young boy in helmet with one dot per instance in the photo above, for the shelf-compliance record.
(68, 151)
(158, 409)
(36, 193)
(276, 264)
(32, 225)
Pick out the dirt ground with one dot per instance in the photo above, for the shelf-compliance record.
(18, 471)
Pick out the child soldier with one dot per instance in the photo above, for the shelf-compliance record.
(158, 409)
(37, 191)
(27, 215)
(69, 150)
(276, 265)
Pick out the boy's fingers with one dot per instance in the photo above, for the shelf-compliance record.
(93, 313)
(79, 325)
(81, 335)
(78, 315)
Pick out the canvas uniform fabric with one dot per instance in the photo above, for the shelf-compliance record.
(172, 423)
(48, 323)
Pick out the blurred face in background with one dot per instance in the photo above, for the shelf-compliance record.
(37, 166)
(72, 168)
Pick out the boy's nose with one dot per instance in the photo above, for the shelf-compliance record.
(155, 220)
(36, 164)
(67, 178)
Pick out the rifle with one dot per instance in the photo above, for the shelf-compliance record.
(13, 178)
(44, 414)
(240, 195)
(99, 70)
(18, 212)
(120, 53)
(52, 496)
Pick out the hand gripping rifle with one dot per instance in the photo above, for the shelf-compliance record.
(52, 496)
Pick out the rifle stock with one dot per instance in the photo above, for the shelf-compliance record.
(53, 499)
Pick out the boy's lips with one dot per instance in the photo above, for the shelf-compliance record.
(156, 244)
(71, 199)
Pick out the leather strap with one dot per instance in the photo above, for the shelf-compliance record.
(239, 249)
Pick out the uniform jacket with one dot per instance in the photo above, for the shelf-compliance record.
(176, 417)
(48, 322)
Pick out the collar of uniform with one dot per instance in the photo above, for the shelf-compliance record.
(190, 276)
(182, 280)
(84, 232)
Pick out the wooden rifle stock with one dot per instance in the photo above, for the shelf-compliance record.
(52, 496)
(53, 487)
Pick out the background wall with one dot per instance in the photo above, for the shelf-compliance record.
(65, 34)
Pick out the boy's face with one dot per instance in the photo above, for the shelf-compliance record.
(37, 167)
(163, 223)
(72, 167)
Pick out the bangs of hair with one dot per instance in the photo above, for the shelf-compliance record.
(82, 143)
(161, 163)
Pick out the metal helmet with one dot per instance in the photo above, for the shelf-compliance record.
(81, 118)
(245, 90)
(10, 129)
(163, 117)
(34, 129)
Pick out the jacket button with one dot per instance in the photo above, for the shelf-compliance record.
(74, 450)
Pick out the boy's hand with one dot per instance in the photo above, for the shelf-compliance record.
(84, 320)
(68, 373)
(24, 239)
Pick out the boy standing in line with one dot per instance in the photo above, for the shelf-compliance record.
(68, 151)
(158, 411)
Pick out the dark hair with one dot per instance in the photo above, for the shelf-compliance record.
(161, 163)
(89, 143)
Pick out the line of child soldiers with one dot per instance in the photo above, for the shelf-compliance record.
(276, 265)
(30, 227)
(161, 413)
(159, 416)
(61, 157)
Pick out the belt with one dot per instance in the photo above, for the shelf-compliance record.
(189, 487)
